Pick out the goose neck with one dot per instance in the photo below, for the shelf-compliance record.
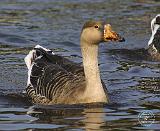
(94, 90)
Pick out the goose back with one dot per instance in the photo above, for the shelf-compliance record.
(54, 79)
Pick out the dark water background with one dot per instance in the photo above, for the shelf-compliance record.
(133, 81)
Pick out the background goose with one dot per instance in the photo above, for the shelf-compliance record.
(154, 42)
(53, 79)
(152, 52)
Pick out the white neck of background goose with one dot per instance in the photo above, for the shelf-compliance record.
(154, 28)
(94, 89)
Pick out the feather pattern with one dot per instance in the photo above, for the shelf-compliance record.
(53, 77)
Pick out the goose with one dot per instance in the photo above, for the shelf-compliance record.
(152, 51)
(154, 42)
(53, 79)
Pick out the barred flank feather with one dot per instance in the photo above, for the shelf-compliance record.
(53, 78)
(36, 98)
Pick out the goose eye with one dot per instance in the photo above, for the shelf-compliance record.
(96, 26)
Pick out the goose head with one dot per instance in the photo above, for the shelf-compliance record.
(154, 42)
(94, 32)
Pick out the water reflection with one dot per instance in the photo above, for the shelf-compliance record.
(94, 119)
(76, 117)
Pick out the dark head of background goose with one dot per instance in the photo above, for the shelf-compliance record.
(53, 79)
(154, 42)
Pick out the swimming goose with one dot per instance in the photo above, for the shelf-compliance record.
(154, 42)
(53, 79)
(152, 52)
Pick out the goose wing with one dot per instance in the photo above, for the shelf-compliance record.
(52, 78)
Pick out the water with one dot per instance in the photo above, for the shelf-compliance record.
(133, 81)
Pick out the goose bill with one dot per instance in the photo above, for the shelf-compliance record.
(110, 35)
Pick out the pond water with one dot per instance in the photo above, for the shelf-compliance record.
(133, 81)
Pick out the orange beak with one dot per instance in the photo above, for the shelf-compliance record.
(110, 35)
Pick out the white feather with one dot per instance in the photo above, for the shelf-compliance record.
(28, 59)
(154, 28)
(38, 46)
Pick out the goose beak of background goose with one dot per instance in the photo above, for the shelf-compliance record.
(110, 35)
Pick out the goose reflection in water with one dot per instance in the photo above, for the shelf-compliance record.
(77, 117)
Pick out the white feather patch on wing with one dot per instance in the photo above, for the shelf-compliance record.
(29, 75)
(29, 62)
(29, 58)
